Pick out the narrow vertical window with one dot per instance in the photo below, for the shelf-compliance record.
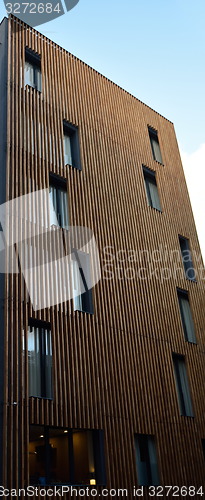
(182, 386)
(58, 197)
(187, 258)
(71, 145)
(40, 359)
(186, 316)
(32, 69)
(151, 189)
(82, 282)
(154, 141)
(146, 460)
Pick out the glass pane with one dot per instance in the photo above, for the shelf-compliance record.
(59, 456)
(34, 362)
(38, 78)
(188, 320)
(37, 461)
(154, 195)
(53, 206)
(29, 74)
(67, 150)
(84, 468)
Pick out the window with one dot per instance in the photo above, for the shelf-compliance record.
(187, 258)
(151, 188)
(40, 359)
(153, 135)
(32, 69)
(146, 460)
(82, 283)
(66, 456)
(71, 145)
(58, 198)
(186, 316)
(203, 447)
(182, 385)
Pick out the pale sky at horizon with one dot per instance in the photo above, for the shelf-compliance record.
(154, 50)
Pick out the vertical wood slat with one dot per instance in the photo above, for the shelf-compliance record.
(112, 370)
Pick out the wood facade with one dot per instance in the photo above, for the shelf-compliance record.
(113, 370)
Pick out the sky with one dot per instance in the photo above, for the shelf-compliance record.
(156, 51)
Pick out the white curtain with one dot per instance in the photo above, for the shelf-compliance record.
(67, 150)
(29, 74)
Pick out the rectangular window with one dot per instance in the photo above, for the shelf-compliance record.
(182, 386)
(40, 359)
(203, 447)
(66, 456)
(58, 198)
(32, 69)
(151, 188)
(154, 141)
(187, 258)
(71, 145)
(186, 316)
(146, 460)
(82, 282)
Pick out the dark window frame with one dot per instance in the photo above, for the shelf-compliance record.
(87, 296)
(98, 450)
(150, 176)
(35, 60)
(180, 357)
(73, 132)
(43, 326)
(184, 244)
(153, 136)
(142, 441)
(59, 183)
(185, 295)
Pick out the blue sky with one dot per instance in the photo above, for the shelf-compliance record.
(153, 49)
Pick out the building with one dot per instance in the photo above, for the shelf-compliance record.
(106, 389)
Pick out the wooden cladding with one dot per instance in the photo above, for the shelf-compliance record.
(112, 370)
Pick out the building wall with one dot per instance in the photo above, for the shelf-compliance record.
(112, 370)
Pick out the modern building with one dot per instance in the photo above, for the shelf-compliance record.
(104, 390)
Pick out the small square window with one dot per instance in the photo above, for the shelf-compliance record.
(154, 141)
(58, 198)
(71, 145)
(151, 189)
(186, 316)
(40, 359)
(146, 460)
(187, 258)
(32, 69)
(182, 386)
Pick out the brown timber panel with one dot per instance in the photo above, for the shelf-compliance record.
(112, 370)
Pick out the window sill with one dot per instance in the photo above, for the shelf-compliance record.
(41, 397)
(73, 166)
(156, 209)
(33, 88)
(159, 162)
